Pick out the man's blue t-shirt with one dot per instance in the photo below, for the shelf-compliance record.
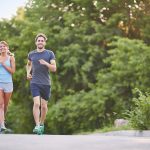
(40, 73)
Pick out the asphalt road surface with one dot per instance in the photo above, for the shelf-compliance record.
(72, 142)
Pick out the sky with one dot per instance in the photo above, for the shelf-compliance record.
(8, 8)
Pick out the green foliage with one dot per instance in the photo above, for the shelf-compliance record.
(126, 69)
(19, 118)
(140, 113)
(75, 113)
(89, 58)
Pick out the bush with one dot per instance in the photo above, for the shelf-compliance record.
(76, 113)
(140, 114)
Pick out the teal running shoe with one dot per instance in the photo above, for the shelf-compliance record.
(42, 129)
(37, 130)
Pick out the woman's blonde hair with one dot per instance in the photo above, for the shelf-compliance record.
(4, 42)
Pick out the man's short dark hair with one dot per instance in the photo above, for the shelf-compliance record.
(41, 35)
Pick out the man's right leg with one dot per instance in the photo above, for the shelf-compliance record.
(36, 106)
(36, 113)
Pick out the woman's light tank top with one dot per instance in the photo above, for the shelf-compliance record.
(5, 76)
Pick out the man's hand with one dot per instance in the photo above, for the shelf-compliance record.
(51, 65)
(43, 62)
(29, 76)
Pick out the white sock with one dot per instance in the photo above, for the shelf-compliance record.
(3, 125)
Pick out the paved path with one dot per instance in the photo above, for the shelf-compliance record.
(72, 142)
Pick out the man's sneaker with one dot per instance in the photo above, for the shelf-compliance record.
(37, 130)
(42, 129)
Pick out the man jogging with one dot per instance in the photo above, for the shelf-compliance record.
(40, 62)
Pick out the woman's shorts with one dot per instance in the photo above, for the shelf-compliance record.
(6, 87)
(44, 91)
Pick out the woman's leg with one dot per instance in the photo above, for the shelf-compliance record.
(7, 97)
(1, 107)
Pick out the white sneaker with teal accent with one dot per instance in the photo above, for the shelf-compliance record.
(37, 130)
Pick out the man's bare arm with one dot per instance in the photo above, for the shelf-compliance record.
(28, 69)
(52, 65)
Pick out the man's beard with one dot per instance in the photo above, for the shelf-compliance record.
(40, 47)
